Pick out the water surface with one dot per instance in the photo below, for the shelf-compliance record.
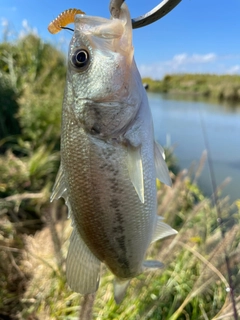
(181, 122)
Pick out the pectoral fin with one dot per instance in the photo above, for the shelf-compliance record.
(83, 268)
(135, 169)
(120, 288)
(160, 165)
(59, 188)
(162, 230)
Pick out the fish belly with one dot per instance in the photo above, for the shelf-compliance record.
(106, 210)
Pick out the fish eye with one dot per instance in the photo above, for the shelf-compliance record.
(80, 58)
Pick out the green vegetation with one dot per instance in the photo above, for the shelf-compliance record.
(32, 76)
(224, 87)
(34, 233)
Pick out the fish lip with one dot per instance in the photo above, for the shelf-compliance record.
(82, 17)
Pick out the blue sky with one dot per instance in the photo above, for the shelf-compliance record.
(197, 36)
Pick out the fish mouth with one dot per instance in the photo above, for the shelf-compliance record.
(109, 29)
(99, 27)
(84, 18)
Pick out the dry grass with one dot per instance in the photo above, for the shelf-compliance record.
(193, 284)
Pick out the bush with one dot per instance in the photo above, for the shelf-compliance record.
(9, 108)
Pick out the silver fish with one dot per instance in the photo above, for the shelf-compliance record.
(109, 159)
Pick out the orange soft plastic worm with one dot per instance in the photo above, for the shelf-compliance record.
(63, 19)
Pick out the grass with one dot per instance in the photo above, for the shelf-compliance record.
(193, 284)
(220, 87)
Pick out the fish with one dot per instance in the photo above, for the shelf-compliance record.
(109, 158)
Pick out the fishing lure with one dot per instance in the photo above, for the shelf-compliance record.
(63, 19)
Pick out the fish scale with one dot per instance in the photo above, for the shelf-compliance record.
(109, 159)
(93, 206)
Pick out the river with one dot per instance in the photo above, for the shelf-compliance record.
(179, 123)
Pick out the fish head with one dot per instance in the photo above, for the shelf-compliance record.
(102, 76)
(101, 55)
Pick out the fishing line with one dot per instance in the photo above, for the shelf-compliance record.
(66, 28)
(218, 210)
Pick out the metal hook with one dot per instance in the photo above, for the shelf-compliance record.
(155, 14)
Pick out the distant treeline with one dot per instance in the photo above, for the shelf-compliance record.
(221, 87)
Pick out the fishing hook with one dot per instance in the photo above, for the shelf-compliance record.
(153, 15)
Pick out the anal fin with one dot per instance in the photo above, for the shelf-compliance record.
(59, 188)
(162, 230)
(135, 169)
(83, 268)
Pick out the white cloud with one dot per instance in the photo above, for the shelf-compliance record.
(180, 63)
(4, 22)
(7, 30)
(205, 58)
(27, 29)
(185, 59)
(179, 58)
(25, 24)
(234, 69)
(192, 63)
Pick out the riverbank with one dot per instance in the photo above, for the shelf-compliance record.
(220, 87)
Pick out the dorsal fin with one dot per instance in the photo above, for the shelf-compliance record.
(162, 230)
